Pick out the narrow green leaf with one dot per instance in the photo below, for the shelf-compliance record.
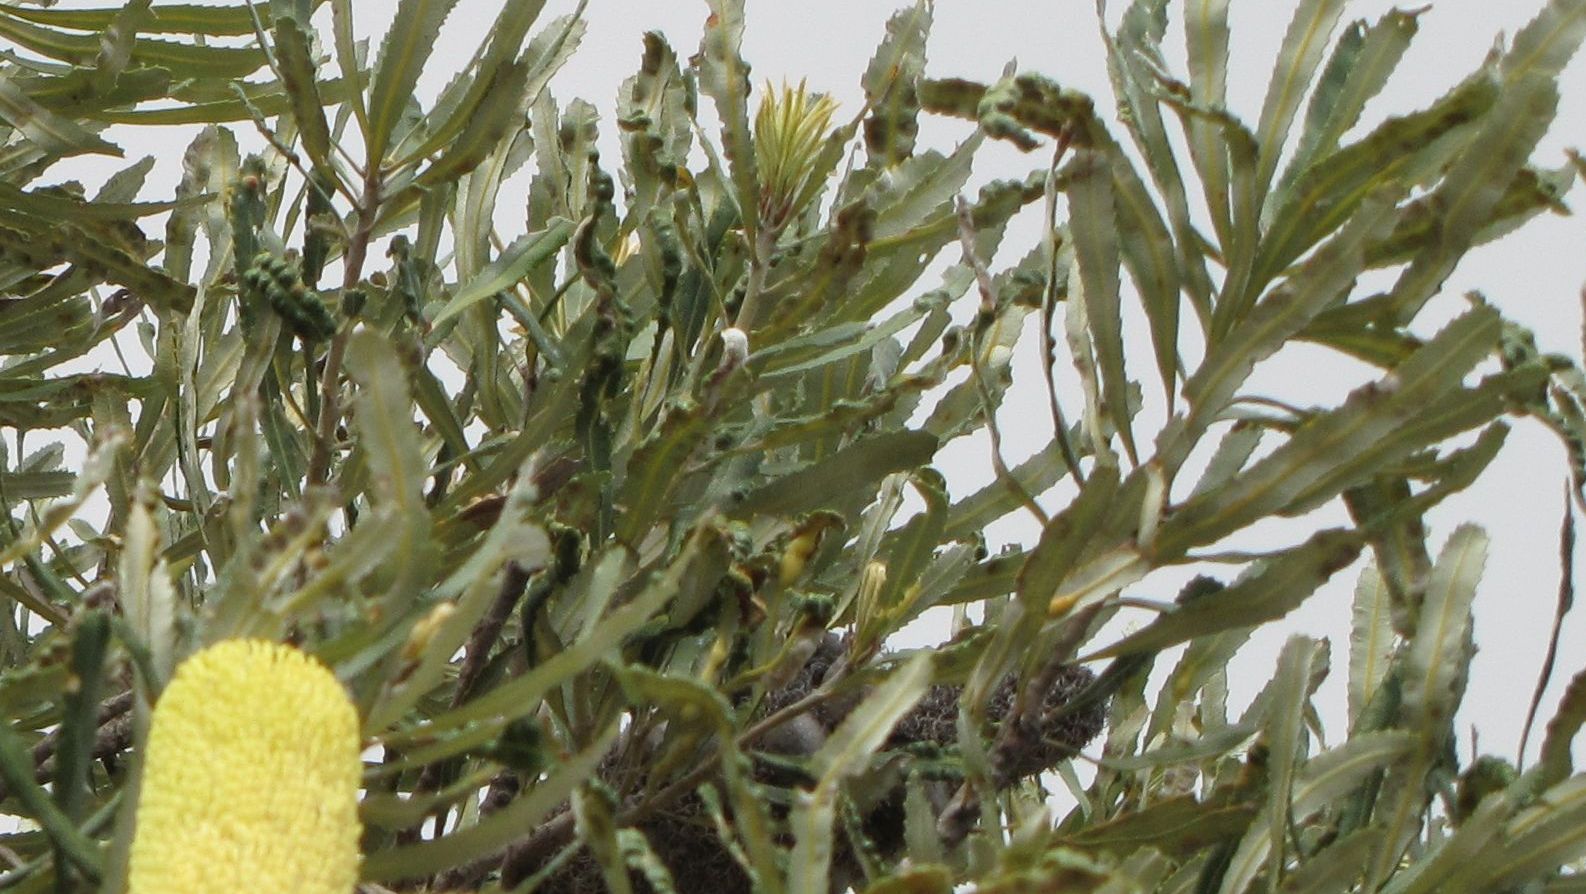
(1178, 826)
(1361, 64)
(172, 18)
(1335, 868)
(1206, 40)
(514, 263)
(1303, 48)
(852, 472)
(1401, 149)
(74, 756)
(300, 77)
(1452, 868)
(1329, 452)
(1474, 185)
(1094, 225)
(506, 39)
(1555, 763)
(1439, 649)
(1284, 727)
(184, 60)
(724, 77)
(1282, 584)
(1276, 319)
(1370, 641)
(1540, 840)
(1548, 42)
(521, 696)
(1151, 258)
(922, 188)
(889, 85)
(16, 771)
(1321, 782)
(52, 133)
(1035, 475)
(845, 753)
(407, 46)
(500, 115)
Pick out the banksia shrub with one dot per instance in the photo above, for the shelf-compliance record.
(613, 522)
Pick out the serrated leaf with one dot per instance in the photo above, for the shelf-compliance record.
(656, 469)
(1448, 868)
(1548, 42)
(850, 473)
(514, 263)
(1474, 185)
(1302, 50)
(724, 77)
(1065, 538)
(172, 18)
(1403, 148)
(1094, 225)
(184, 60)
(1178, 826)
(1133, 55)
(1322, 781)
(1370, 641)
(1335, 868)
(1329, 452)
(889, 85)
(499, 116)
(1276, 319)
(521, 696)
(1284, 727)
(36, 485)
(1035, 475)
(1283, 583)
(300, 77)
(1362, 61)
(52, 133)
(1206, 41)
(1540, 840)
(506, 37)
(407, 46)
(922, 188)
(1438, 655)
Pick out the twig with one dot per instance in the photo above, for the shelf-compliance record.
(1566, 601)
(988, 309)
(330, 384)
(1048, 318)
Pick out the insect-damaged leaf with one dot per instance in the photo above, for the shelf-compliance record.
(300, 77)
(724, 77)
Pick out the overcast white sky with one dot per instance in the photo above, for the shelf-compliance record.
(1536, 276)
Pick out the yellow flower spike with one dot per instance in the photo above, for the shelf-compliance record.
(251, 778)
(789, 130)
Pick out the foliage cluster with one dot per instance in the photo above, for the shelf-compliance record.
(606, 523)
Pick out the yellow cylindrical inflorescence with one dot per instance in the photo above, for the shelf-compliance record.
(251, 778)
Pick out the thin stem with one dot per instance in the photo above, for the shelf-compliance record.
(330, 385)
(749, 310)
(1048, 312)
(988, 309)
